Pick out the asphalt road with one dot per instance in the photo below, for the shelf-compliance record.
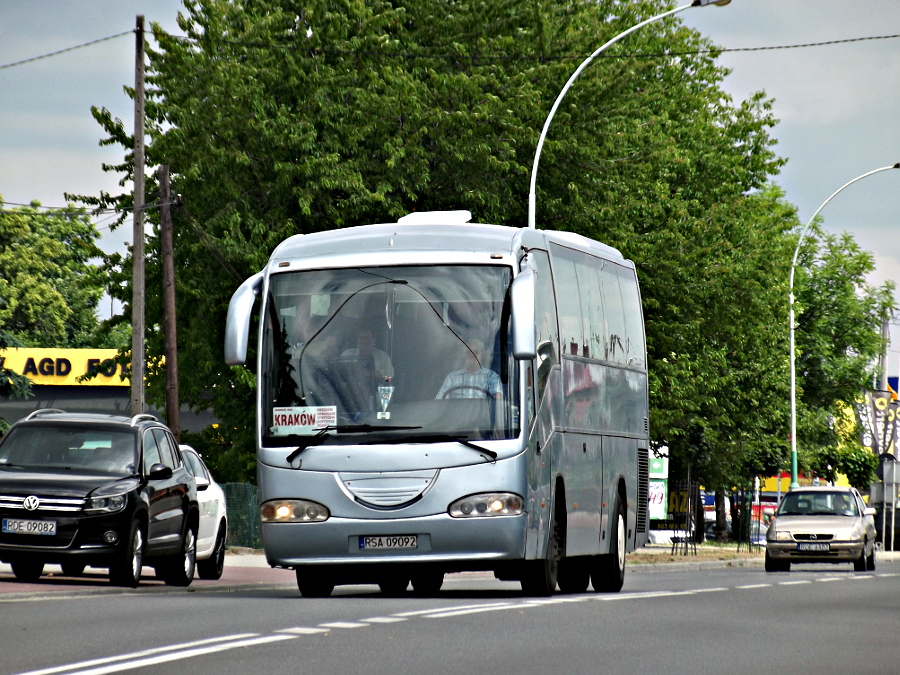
(676, 618)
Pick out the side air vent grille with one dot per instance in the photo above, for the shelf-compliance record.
(643, 488)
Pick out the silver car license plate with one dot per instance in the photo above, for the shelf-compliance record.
(814, 547)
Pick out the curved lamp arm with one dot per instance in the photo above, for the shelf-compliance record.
(794, 482)
(532, 198)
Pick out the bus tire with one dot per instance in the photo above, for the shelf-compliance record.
(314, 583)
(574, 574)
(427, 583)
(539, 577)
(608, 570)
(394, 584)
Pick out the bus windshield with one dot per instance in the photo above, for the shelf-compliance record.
(388, 354)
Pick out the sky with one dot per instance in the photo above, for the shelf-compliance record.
(837, 104)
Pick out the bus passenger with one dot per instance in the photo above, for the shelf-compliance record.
(365, 347)
(473, 381)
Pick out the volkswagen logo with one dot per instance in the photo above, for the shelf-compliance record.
(31, 503)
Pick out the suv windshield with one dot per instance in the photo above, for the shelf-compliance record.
(382, 353)
(69, 448)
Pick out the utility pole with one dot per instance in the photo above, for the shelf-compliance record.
(886, 335)
(137, 251)
(167, 251)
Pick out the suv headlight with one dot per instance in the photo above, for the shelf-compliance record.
(487, 504)
(293, 511)
(106, 504)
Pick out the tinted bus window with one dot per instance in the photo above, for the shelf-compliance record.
(635, 348)
(615, 336)
(571, 322)
(546, 329)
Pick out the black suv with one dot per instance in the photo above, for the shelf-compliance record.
(96, 490)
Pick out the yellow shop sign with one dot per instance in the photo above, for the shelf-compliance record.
(65, 366)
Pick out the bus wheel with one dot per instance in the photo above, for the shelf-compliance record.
(427, 583)
(574, 574)
(539, 576)
(394, 584)
(313, 583)
(608, 571)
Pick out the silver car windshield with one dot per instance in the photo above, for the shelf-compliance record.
(380, 354)
(819, 503)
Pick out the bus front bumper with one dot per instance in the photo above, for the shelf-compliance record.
(456, 543)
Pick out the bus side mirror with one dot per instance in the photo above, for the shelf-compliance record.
(522, 294)
(237, 325)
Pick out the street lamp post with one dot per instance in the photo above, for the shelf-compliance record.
(794, 482)
(537, 155)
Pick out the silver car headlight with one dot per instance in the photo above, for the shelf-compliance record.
(856, 533)
(293, 511)
(487, 504)
(783, 535)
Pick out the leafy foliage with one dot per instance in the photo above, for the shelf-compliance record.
(48, 289)
(279, 117)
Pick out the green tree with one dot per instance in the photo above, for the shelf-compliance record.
(279, 117)
(838, 319)
(12, 384)
(49, 289)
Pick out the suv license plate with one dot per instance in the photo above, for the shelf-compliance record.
(815, 547)
(400, 541)
(16, 526)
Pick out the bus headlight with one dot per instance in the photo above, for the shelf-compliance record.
(293, 511)
(487, 504)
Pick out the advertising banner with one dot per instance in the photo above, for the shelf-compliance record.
(877, 414)
(64, 367)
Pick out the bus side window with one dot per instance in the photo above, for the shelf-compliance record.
(546, 327)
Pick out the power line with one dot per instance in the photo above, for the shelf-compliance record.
(56, 211)
(63, 51)
(480, 57)
(530, 57)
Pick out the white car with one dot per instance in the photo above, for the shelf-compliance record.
(213, 518)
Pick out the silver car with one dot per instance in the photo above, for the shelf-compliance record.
(821, 524)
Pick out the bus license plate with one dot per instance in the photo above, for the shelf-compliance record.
(814, 547)
(16, 526)
(400, 541)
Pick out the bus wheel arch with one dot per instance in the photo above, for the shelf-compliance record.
(540, 576)
(608, 570)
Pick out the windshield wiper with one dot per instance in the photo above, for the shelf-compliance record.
(324, 432)
(439, 438)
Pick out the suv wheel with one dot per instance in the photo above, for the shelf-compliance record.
(126, 569)
(179, 569)
(27, 570)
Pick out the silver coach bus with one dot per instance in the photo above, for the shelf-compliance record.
(439, 396)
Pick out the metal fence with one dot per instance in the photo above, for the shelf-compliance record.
(244, 530)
